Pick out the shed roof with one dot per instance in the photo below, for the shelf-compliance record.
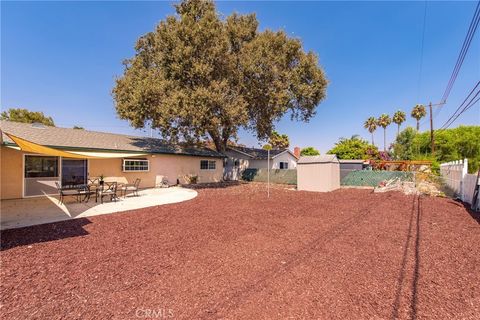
(79, 139)
(327, 158)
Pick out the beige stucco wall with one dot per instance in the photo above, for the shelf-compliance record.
(171, 166)
(322, 177)
(11, 173)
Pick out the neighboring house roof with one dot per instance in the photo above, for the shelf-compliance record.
(260, 154)
(79, 139)
(327, 158)
(351, 161)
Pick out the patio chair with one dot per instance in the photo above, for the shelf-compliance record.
(161, 182)
(93, 182)
(65, 192)
(133, 187)
(109, 189)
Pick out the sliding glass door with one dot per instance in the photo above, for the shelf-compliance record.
(41, 173)
(74, 172)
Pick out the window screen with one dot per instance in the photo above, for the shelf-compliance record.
(135, 165)
(208, 165)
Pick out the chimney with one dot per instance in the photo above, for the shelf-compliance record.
(296, 152)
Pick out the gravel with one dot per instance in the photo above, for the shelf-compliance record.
(232, 253)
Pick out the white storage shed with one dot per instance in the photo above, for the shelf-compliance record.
(318, 173)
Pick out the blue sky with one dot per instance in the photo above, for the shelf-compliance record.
(62, 57)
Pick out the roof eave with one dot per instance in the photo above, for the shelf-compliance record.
(236, 150)
(6, 143)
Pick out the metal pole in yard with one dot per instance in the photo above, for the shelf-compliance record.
(268, 173)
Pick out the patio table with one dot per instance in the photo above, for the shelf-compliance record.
(99, 188)
(80, 189)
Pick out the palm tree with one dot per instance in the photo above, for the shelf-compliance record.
(371, 126)
(418, 112)
(384, 121)
(399, 117)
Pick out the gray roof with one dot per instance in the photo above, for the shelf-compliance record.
(327, 158)
(351, 160)
(257, 153)
(79, 139)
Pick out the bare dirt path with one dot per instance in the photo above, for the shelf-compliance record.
(232, 253)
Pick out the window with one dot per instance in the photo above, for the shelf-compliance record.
(41, 167)
(284, 165)
(136, 165)
(207, 165)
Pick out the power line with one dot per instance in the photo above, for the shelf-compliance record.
(471, 104)
(463, 107)
(460, 106)
(421, 52)
(461, 57)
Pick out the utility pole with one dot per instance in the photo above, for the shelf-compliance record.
(432, 133)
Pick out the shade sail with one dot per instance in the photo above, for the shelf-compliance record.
(28, 146)
(107, 155)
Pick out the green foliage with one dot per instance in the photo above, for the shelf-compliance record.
(370, 124)
(309, 151)
(450, 144)
(198, 75)
(404, 148)
(354, 148)
(191, 178)
(279, 141)
(418, 112)
(398, 118)
(26, 116)
(384, 121)
(78, 127)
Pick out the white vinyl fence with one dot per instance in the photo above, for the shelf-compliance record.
(457, 178)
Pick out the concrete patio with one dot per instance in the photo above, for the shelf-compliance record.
(19, 213)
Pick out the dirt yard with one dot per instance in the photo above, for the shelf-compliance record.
(232, 253)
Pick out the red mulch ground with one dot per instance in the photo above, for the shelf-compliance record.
(232, 253)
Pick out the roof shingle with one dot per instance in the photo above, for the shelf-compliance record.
(257, 153)
(93, 140)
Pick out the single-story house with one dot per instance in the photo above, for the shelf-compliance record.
(34, 156)
(241, 158)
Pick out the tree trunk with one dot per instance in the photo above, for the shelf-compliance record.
(398, 130)
(384, 139)
(418, 125)
(220, 146)
(373, 142)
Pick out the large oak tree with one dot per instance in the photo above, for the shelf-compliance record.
(198, 76)
(26, 116)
